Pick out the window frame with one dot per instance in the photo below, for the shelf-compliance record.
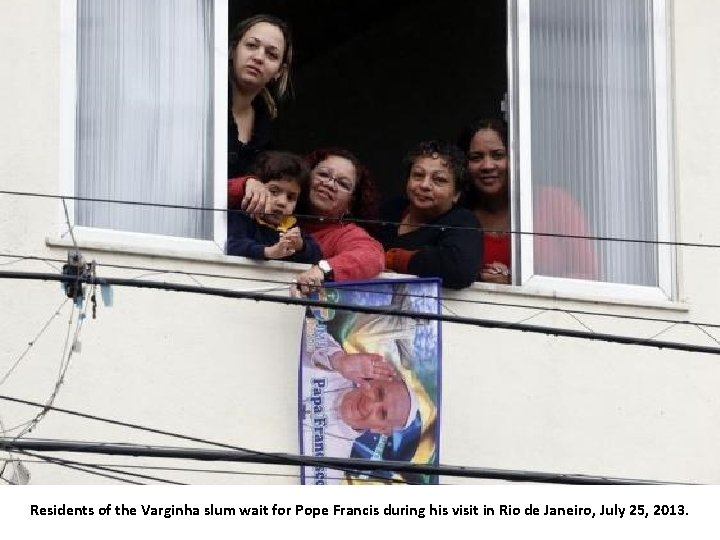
(68, 134)
(520, 115)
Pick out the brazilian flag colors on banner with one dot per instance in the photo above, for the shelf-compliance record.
(370, 383)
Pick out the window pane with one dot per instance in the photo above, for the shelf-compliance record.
(593, 142)
(144, 124)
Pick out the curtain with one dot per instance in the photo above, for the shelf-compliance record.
(144, 123)
(593, 138)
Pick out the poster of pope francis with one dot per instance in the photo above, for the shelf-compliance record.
(370, 382)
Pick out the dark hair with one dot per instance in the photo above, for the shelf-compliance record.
(443, 149)
(273, 165)
(275, 90)
(364, 199)
(470, 198)
(469, 131)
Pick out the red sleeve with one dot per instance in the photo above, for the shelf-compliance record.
(557, 212)
(236, 192)
(398, 259)
(353, 254)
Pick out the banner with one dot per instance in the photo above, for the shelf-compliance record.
(370, 383)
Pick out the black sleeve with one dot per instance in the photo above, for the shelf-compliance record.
(241, 241)
(391, 214)
(310, 253)
(456, 256)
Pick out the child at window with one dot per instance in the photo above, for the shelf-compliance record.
(274, 235)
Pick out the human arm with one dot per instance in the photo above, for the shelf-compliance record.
(455, 256)
(495, 272)
(249, 195)
(241, 241)
(306, 249)
(352, 253)
(557, 213)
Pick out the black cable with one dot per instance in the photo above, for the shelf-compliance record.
(27, 427)
(469, 321)
(188, 470)
(321, 219)
(76, 466)
(105, 468)
(213, 471)
(268, 458)
(249, 451)
(439, 298)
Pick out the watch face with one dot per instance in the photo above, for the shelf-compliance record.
(325, 267)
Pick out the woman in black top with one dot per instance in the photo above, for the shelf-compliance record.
(259, 74)
(428, 235)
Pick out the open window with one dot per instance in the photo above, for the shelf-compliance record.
(592, 157)
(583, 83)
(378, 77)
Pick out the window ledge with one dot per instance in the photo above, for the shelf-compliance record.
(586, 298)
(204, 252)
(209, 252)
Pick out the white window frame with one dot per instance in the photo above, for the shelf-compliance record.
(520, 112)
(68, 135)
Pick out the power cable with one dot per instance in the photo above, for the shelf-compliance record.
(75, 465)
(103, 467)
(148, 429)
(288, 284)
(70, 226)
(67, 354)
(293, 460)
(233, 472)
(201, 454)
(32, 342)
(358, 221)
(189, 470)
(469, 321)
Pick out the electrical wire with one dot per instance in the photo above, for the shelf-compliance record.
(358, 221)
(232, 472)
(153, 430)
(469, 321)
(397, 467)
(77, 466)
(106, 468)
(281, 284)
(67, 354)
(185, 469)
(32, 342)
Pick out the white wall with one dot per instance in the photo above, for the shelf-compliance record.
(226, 369)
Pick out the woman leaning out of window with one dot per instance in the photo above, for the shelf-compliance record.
(561, 246)
(260, 59)
(340, 189)
(428, 234)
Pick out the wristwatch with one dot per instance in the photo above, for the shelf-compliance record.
(326, 269)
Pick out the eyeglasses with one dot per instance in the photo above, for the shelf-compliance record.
(326, 176)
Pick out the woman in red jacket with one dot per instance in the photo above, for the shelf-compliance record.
(340, 187)
(559, 249)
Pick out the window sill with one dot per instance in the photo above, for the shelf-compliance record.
(578, 297)
(120, 243)
(174, 249)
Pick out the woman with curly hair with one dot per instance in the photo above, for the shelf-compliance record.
(340, 188)
(428, 234)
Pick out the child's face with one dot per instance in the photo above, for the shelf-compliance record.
(284, 195)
